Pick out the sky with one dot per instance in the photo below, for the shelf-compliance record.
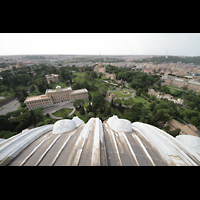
(186, 44)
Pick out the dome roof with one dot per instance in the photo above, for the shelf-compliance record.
(63, 126)
(113, 142)
(58, 87)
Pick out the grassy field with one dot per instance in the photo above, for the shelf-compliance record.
(79, 74)
(120, 94)
(131, 101)
(58, 113)
(140, 99)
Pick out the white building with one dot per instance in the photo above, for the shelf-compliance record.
(55, 96)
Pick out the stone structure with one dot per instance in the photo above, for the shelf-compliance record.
(53, 77)
(99, 68)
(111, 76)
(192, 85)
(55, 96)
(179, 82)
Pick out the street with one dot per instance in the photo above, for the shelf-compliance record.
(12, 106)
(50, 110)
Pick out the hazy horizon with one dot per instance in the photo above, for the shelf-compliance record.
(119, 44)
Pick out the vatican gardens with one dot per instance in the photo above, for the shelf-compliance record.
(131, 101)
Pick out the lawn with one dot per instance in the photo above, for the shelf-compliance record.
(131, 101)
(120, 94)
(79, 74)
(58, 113)
(140, 99)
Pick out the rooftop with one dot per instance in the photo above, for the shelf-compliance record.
(54, 90)
(177, 79)
(52, 75)
(113, 142)
(193, 82)
(78, 91)
(36, 98)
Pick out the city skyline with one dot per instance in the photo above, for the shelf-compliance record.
(179, 44)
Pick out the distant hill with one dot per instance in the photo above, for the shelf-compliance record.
(174, 59)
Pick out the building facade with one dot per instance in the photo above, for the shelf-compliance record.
(179, 82)
(53, 77)
(52, 97)
(192, 85)
(38, 101)
(111, 76)
(99, 68)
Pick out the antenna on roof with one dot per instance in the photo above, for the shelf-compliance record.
(11, 69)
(32, 70)
(166, 56)
(100, 56)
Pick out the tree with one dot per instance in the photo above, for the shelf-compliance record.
(90, 115)
(108, 112)
(93, 87)
(152, 105)
(111, 103)
(100, 75)
(61, 76)
(138, 112)
(70, 80)
(162, 115)
(32, 116)
(159, 84)
(89, 108)
(85, 85)
(89, 96)
(96, 99)
(78, 102)
(175, 132)
(81, 110)
(120, 107)
(165, 89)
(19, 96)
(76, 86)
(24, 93)
(167, 128)
(7, 134)
(93, 75)
(41, 87)
(5, 124)
(138, 92)
(101, 107)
